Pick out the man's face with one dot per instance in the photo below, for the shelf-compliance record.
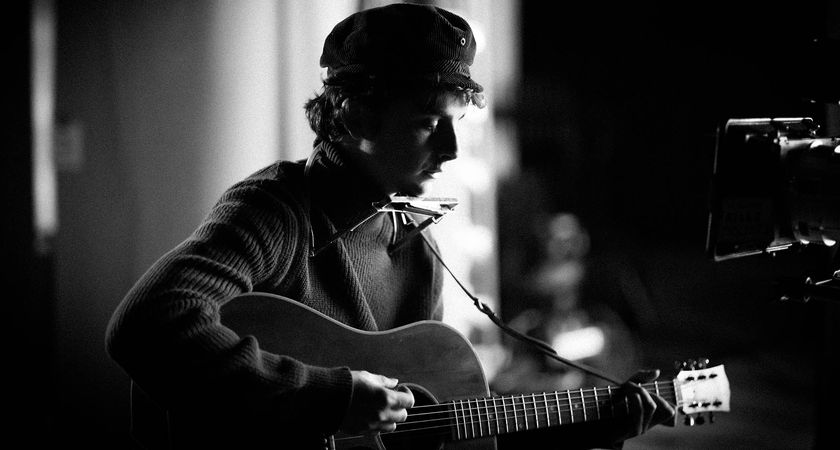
(413, 140)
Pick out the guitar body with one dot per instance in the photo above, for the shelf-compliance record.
(431, 358)
(429, 354)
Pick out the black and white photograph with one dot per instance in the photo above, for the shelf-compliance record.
(421, 224)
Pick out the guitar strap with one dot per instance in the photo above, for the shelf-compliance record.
(541, 346)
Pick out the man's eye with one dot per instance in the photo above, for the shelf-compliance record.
(429, 125)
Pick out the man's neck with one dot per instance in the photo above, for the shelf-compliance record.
(357, 157)
(342, 185)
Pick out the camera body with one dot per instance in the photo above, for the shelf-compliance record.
(775, 184)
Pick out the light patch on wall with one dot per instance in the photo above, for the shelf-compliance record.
(578, 344)
(244, 130)
(43, 110)
(70, 146)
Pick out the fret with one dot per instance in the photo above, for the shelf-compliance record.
(457, 425)
(571, 406)
(480, 420)
(583, 404)
(515, 415)
(496, 414)
(656, 387)
(462, 421)
(483, 418)
(547, 416)
(536, 412)
(525, 410)
(504, 409)
(597, 405)
(559, 411)
(612, 400)
(467, 430)
(490, 418)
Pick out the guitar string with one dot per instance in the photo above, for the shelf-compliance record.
(487, 417)
(471, 432)
(470, 422)
(564, 403)
(482, 413)
(536, 411)
(478, 418)
(611, 392)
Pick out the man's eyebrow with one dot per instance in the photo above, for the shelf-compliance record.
(439, 113)
(437, 109)
(437, 104)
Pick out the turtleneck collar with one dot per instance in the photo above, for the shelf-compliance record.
(343, 191)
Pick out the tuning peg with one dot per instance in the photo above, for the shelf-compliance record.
(689, 420)
(687, 364)
(692, 364)
(711, 417)
(700, 420)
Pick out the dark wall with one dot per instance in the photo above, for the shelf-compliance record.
(617, 119)
(620, 103)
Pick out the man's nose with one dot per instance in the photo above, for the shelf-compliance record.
(446, 146)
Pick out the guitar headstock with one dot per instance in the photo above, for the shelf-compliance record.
(701, 391)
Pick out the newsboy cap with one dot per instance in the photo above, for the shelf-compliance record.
(403, 41)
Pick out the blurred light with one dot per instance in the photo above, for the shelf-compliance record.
(246, 86)
(43, 110)
(474, 173)
(581, 343)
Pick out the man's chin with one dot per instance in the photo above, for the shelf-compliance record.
(412, 190)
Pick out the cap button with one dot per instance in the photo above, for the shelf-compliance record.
(463, 41)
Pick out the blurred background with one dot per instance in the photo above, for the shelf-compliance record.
(583, 189)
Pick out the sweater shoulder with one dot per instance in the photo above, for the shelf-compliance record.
(282, 180)
(279, 174)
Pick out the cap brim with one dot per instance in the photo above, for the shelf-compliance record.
(459, 81)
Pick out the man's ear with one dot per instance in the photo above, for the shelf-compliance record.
(359, 118)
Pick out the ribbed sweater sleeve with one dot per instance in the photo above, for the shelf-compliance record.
(166, 333)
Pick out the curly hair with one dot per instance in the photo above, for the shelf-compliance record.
(324, 110)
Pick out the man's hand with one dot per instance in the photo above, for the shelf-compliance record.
(377, 404)
(646, 410)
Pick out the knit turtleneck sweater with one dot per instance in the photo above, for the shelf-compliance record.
(167, 335)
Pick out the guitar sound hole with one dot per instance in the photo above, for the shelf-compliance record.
(426, 427)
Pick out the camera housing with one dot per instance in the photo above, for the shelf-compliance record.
(775, 184)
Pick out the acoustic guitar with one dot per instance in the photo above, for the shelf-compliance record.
(454, 409)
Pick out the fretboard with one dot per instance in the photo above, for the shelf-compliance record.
(490, 416)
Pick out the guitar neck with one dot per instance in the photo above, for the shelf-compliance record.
(491, 416)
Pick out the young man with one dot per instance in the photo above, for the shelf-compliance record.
(398, 84)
